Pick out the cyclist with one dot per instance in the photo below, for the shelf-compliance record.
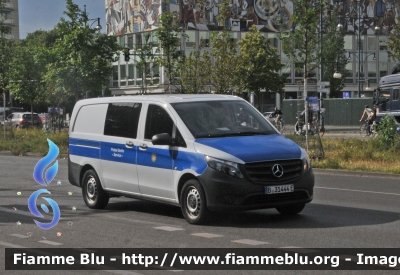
(277, 114)
(370, 114)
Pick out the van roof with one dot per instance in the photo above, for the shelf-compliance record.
(170, 98)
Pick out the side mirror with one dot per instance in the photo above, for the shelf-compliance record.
(161, 139)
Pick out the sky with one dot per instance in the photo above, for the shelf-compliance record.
(45, 14)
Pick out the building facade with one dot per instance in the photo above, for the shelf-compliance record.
(11, 19)
(133, 20)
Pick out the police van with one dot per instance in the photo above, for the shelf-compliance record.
(203, 153)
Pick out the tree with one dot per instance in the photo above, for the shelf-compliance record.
(333, 57)
(169, 36)
(394, 41)
(259, 64)
(196, 72)
(81, 56)
(145, 54)
(302, 44)
(224, 54)
(5, 48)
(28, 70)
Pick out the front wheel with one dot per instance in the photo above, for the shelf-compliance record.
(292, 209)
(93, 194)
(193, 202)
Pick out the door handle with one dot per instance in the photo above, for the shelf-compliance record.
(129, 143)
(143, 146)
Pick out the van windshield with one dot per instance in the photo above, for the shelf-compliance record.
(207, 119)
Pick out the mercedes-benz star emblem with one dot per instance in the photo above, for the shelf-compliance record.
(277, 170)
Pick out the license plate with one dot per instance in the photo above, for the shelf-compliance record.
(279, 189)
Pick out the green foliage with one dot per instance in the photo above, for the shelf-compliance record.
(394, 41)
(169, 36)
(5, 48)
(80, 55)
(259, 64)
(29, 60)
(333, 53)
(302, 44)
(34, 141)
(387, 131)
(145, 57)
(224, 53)
(197, 72)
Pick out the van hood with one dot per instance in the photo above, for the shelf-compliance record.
(246, 149)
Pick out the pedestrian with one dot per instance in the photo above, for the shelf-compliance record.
(277, 114)
(370, 114)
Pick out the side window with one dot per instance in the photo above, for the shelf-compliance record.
(395, 94)
(122, 119)
(157, 122)
(179, 141)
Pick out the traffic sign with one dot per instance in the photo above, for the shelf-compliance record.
(323, 91)
(323, 83)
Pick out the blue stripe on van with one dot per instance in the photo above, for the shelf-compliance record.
(118, 152)
(181, 159)
(255, 148)
(84, 148)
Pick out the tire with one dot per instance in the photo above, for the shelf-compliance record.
(193, 202)
(363, 131)
(291, 209)
(93, 194)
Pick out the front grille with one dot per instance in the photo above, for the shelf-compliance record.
(275, 199)
(261, 172)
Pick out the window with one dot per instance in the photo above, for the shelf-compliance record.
(157, 122)
(191, 39)
(395, 96)
(122, 119)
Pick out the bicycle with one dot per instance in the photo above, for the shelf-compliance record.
(280, 124)
(367, 130)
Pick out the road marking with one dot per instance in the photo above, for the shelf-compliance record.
(206, 235)
(297, 249)
(20, 212)
(50, 242)
(168, 228)
(11, 245)
(20, 236)
(250, 242)
(361, 191)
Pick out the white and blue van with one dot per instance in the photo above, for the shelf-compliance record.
(203, 153)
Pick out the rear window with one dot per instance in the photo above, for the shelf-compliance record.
(28, 116)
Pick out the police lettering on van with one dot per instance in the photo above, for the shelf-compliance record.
(203, 153)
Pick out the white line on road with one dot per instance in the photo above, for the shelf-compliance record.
(361, 191)
(11, 245)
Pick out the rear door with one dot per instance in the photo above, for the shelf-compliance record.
(119, 146)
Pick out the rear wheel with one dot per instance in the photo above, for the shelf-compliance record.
(193, 202)
(93, 194)
(291, 209)
(364, 131)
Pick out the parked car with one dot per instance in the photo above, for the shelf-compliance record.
(23, 120)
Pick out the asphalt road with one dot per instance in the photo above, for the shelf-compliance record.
(349, 210)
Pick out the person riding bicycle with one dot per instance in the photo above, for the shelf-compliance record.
(370, 114)
(277, 114)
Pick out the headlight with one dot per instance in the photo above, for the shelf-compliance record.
(226, 167)
(306, 160)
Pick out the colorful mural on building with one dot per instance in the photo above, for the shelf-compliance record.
(129, 16)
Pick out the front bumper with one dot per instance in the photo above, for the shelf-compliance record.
(224, 192)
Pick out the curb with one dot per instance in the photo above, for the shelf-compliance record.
(352, 173)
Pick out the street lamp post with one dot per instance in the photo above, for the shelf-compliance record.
(358, 55)
(360, 69)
